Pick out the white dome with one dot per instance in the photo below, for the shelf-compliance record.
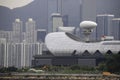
(64, 44)
(88, 24)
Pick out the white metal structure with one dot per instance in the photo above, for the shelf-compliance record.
(87, 27)
(64, 44)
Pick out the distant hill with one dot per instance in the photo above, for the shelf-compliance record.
(33, 10)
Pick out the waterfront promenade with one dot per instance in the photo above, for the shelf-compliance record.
(36, 76)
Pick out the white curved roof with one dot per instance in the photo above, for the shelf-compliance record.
(64, 44)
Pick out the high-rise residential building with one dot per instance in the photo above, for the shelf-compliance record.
(41, 33)
(18, 55)
(7, 35)
(30, 50)
(3, 55)
(21, 54)
(14, 51)
(30, 34)
(11, 54)
(17, 31)
(116, 28)
(104, 25)
(56, 21)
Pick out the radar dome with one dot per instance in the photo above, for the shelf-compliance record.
(88, 24)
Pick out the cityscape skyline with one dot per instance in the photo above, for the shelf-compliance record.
(105, 27)
(23, 30)
(41, 10)
(20, 50)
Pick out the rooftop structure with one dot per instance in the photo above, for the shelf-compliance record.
(87, 27)
(66, 29)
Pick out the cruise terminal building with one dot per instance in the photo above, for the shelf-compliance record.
(67, 49)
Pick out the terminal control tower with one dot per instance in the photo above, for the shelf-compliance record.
(87, 27)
